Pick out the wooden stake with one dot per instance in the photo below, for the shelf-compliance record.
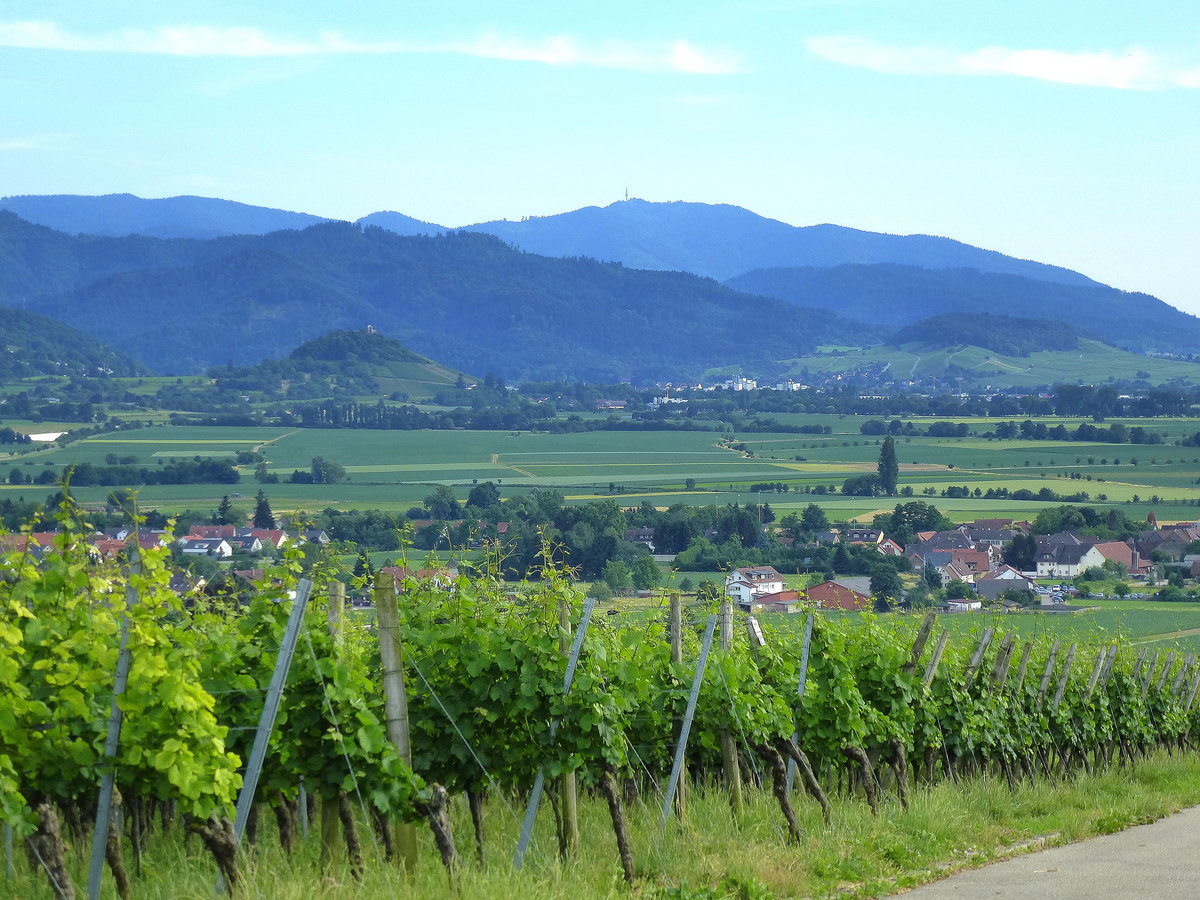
(675, 635)
(1024, 665)
(729, 755)
(1062, 681)
(977, 658)
(1003, 658)
(919, 643)
(387, 614)
(1165, 669)
(938, 650)
(1047, 674)
(569, 794)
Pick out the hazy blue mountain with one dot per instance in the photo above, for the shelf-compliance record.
(723, 241)
(896, 296)
(398, 223)
(33, 344)
(171, 217)
(466, 300)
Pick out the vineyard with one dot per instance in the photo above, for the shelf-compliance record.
(130, 716)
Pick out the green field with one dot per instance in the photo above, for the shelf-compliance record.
(395, 469)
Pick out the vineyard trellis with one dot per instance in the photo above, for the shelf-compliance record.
(864, 707)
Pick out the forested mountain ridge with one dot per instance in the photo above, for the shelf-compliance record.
(118, 215)
(896, 296)
(1003, 334)
(465, 299)
(723, 241)
(33, 344)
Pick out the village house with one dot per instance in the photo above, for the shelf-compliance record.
(748, 585)
(245, 544)
(215, 547)
(1005, 578)
(834, 595)
(964, 604)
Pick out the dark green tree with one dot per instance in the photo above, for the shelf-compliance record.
(1021, 552)
(889, 467)
(442, 504)
(484, 496)
(326, 471)
(224, 514)
(958, 590)
(263, 517)
(645, 573)
(885, 583)
(813, 518)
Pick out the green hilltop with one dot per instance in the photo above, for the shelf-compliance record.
(343, 363)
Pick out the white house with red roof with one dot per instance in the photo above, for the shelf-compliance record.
(750, 584)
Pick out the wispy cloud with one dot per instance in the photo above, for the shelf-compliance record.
(1132, 69)
(206, 40)
(28, 142)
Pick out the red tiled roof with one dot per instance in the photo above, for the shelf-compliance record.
(831, 595)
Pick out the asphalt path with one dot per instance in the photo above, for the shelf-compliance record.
(1160, 860)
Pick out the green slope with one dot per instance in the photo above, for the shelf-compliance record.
(1092, 362)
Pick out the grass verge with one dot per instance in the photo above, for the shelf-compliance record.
(948, 827)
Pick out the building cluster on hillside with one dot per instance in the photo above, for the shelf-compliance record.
(738, 383)
(223, 541)
(973, 554)
(214, 541)
(761, 588)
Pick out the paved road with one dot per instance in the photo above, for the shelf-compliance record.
(1161, 860)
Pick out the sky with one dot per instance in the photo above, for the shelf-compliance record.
(1066, 132)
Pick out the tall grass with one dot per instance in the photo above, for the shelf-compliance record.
(710, 855)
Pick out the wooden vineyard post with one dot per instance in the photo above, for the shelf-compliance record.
(569, 794)
(936, 659)
(685, 729)
(977, 657)
(1192, 695)
(1003, 659)
(675, 635)
(1162, 678)
(1177, 687)
(1047, 674)
(330, 813)
(1096, 670)
(1148, 674)
(1023, 667)
(729, 754)
(112, 743)
(1062, 681)
(387, 614)
(1108, 667)
(1137, 667)
(919, 643)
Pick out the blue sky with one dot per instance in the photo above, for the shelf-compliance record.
(1066, 132)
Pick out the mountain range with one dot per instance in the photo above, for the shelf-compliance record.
(624, 291)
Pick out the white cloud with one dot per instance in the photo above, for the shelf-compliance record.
(205, 40)
(29, 142)
(1133, 69)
